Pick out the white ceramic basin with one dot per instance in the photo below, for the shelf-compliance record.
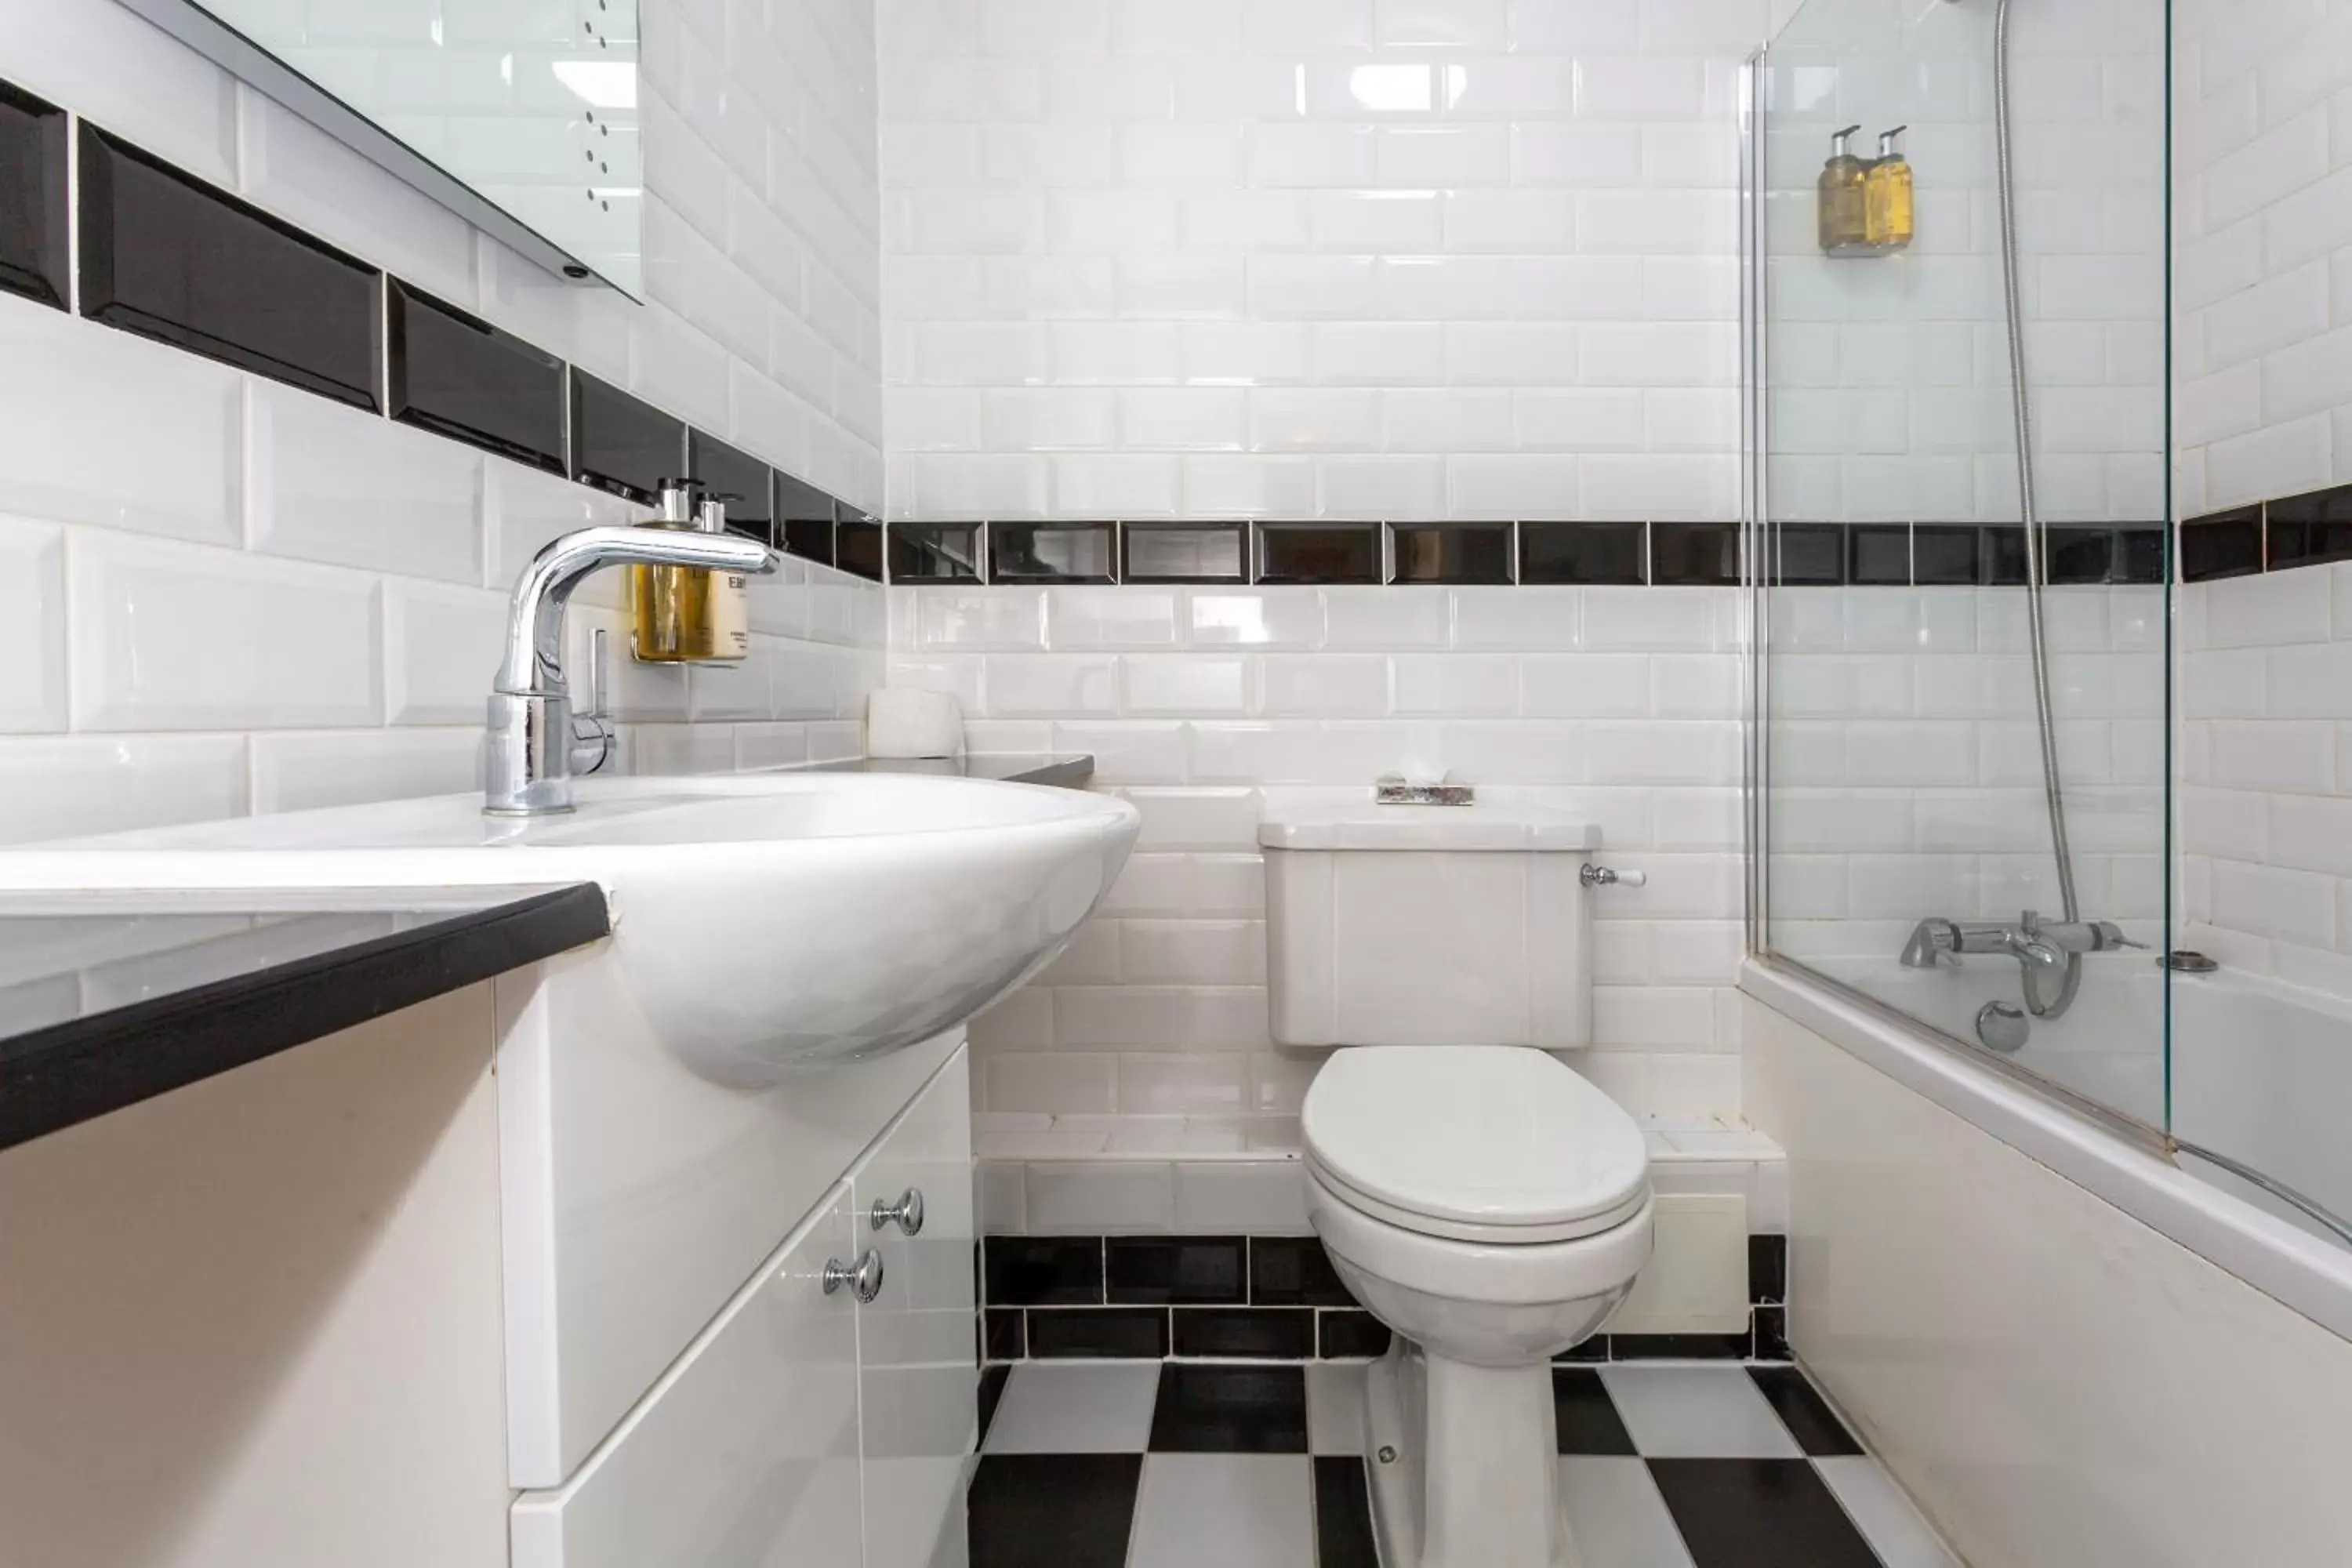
(762, 921)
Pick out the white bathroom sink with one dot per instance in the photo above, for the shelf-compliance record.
(762, 921)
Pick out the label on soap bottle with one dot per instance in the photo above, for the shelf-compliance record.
(730, 615)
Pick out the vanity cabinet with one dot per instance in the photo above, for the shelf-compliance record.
(803, 1425)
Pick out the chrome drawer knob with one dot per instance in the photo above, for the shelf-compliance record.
(908, 1211)
(865, 1281)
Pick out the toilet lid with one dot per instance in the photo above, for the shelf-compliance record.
(1489, 1136)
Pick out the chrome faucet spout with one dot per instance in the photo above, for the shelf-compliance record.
(531, 740)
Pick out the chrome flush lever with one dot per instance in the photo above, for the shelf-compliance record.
(1603, 876)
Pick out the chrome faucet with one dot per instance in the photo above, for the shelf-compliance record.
(2034, 943)
(533, 750)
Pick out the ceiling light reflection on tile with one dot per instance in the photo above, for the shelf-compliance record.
(1394, 90)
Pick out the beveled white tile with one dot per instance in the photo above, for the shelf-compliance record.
(1696, 1412)
(1261, 618)
(1884, 1515)
(304, 772)
(1238, 1510)
(991, 619)
(1242, 1197)
(1335, 1408)
(118, 430)
(60, 788)
(1122, 617)
(168, 637)
(32, 627)
(1616, 1515)
(442, 648)
(1207, 685)
(1083, 1407)
(1079, 1197)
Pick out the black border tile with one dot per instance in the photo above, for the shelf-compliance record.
(1759, 1513)
(1594, 553)
(2221, 544)
(2140, 551)
(1134, 561)
(168, 256)
(2001, 555)
(1108, 1333)
(1014, 555)
(1052, 1510)
(1246, 1333)
(733, 476)
(2309, 530)
(1584, 1418)
(1695, 555)
(1294, 1272)
(1770, 1325)
(1802, 1410)
(1811, 554)
(933, 551)
(1042, 1270)
(1878, 554)
(623, 445)
(1308, 552)
(857, 543)
(35, 215)
(1767, 1269)
(449, 371)
(1208, 1409)
(2080, 557)
(1680, 1347)
(1947, 554)
(992, 1380)
(804, 517)
(1343, 1513)
(1163, 1270)
(1451, 553)
(1343, 1335)
(1591, 1351)
(1004, 1334)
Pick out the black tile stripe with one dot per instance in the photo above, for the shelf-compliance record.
(1451, 553)
(1165, 1269)
(1118, 1333)
(1319, 552)
(622, 443)
(453, 374)
(1294, 1272)
(1802, 1410)
(1593, 553)
(35, 213)
(992, 1380)
(1246, 1333)
(804, 517)
(174, 258)
(1343, 1335)
(169, 257)
(745, 483)
(857, 546)
(1042, 1270)
(1585, 1417)
(1211, 553)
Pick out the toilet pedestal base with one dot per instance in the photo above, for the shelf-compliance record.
(1470, 1476)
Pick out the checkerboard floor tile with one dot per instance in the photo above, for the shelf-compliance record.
(1181, 1465)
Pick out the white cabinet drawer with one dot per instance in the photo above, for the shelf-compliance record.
(917, 1376)
(745, 1454)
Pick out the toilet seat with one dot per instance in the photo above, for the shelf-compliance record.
(1495, 1144)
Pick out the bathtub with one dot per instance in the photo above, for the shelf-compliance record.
(2260, 1072)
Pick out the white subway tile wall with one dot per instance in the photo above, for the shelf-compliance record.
(2265, 769)
(229, 596)
(1200, 704)
(2262, 286)
(1156, 257)
(1890, 376)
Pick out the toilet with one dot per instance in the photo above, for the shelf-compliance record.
(1475, 1195)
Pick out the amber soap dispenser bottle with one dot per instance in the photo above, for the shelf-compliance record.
(1845, 226)
(1886, 196)
(669, 606)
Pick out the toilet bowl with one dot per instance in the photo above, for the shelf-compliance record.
(1475, 1195)
(1491, 1220)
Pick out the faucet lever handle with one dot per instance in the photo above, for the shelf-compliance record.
(592, 734)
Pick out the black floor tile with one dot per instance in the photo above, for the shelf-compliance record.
(1230, 1410)
(1138, 1334)
(1591, 1352)
(1155, 1270)
(1343, 1336)
(992, 1380)
(1759, 1513)
(1246, 1333)
(1807, 1415)
(1343, 1515)
(1587, 1419)
(1294, 1272)
(1001, 1338)
(1680, 1347)
(1052, 1510)
(1771, 1325)
(1043, 1271)
(1767, 1269)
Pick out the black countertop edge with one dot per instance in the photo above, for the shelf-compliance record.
(1060, 771)
(71, 1072)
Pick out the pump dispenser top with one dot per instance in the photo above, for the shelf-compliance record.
(1844, 220)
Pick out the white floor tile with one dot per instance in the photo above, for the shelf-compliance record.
(1075, 1407)
(1335, 1407)
(1696, 1413)
(1884, 1515)
(1616, 1515)
(1236, 1510)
